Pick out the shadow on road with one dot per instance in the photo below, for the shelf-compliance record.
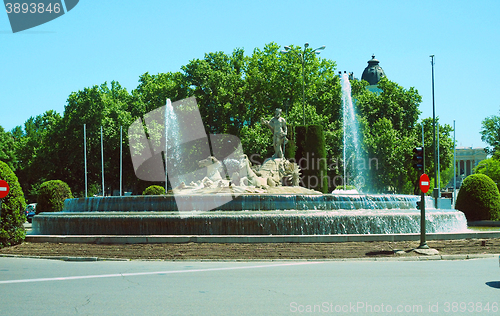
(494, 284)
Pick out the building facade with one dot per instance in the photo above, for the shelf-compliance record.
(467, 158)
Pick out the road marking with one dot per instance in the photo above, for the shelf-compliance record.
(100, 276)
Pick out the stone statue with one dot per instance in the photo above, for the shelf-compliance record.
(278, 126)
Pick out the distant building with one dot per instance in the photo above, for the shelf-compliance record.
(373, 73)
(467, 158)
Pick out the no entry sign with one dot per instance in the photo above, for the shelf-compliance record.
(424, 183)
(4, 189)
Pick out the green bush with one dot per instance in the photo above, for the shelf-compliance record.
(479, 198)
(13, 209)
(51, 196)
(154, 190)
(347, 187)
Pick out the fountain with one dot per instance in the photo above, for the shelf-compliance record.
(351, 145)
(224, 195)
(248, 214)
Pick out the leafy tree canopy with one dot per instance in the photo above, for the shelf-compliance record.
(490, 133)
(233, 91)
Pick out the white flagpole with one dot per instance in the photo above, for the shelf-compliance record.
(121, 158)
(85, 155)
(102, 164)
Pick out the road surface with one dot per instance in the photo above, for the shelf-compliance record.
(359, 287)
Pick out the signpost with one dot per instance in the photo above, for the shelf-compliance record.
(424, 184)
(4, 190)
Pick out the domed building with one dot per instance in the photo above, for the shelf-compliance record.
(373, 73)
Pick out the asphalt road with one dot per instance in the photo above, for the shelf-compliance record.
(52, 287)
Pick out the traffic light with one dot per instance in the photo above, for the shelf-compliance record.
(419, 206)
(418, 158)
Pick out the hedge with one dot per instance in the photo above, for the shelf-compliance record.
(154, 190)
(51, 196)
(13, 208)
(310, 155)
(479, 198)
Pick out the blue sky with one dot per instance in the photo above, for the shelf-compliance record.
(119, 40)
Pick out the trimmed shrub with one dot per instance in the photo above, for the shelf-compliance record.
(310, 155)
(51, 196)
(290, 147)
(154, 190)
(479, 198)
(13, 209)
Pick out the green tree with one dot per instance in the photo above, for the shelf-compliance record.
(7, 149)
(491, 168)
(385, 164)
(154, 90)
(490, 133)
(389, 133)
(35, 150)
(217, 83)
(274, 80)
(398, 105)
(445, 146)
(233, 92)
(97, 106)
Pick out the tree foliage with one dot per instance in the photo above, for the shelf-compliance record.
(491, 168)
(479, 198)
(12, 210)
(7, 149)
(391, 130)
(38, 158)
(490, 133)
(233, 91)
(51, 196)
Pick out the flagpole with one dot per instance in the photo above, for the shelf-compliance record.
(121, 159)
(85, 155)
(102, 164)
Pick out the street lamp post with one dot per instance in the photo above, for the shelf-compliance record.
(436, 189)
(302, 56)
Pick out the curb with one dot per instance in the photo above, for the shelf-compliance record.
(156, 239)
(63, 258)
(410, 258)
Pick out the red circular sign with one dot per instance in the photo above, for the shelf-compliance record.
(424, 183)
(4, 189)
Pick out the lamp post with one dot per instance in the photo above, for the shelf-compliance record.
(436, 189)
(302, 56)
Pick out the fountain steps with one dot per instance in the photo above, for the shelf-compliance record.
(245, 215)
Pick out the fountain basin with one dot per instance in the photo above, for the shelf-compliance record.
(249, 214)
(247, 223)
